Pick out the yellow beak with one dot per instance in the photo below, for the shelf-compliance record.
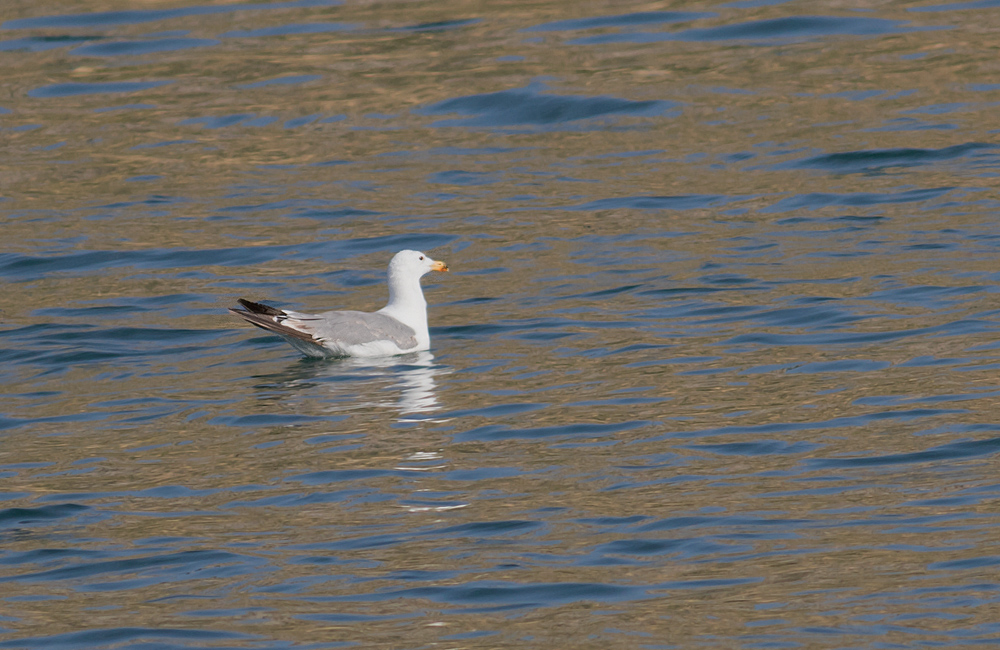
(439, 266)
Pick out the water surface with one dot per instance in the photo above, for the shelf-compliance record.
(715, 367)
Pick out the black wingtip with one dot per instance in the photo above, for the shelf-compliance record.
(265, 318)
(258, 308)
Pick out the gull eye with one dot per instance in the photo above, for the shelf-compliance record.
(421, 258)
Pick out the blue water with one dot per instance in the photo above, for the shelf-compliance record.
(716, 365)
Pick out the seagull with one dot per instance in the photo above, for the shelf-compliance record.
(397, 328)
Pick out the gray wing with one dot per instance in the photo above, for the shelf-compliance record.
(356, 328)
(309, 333)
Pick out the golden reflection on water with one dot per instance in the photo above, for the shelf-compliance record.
(68, 189)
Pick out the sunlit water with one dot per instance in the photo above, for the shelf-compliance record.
(716, 365)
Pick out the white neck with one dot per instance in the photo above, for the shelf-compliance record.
(407, 304)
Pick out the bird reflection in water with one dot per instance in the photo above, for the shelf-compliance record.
(359, 383)
(415, 381)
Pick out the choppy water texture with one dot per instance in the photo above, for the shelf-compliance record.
(717, 365)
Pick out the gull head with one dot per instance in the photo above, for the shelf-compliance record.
(414, 264)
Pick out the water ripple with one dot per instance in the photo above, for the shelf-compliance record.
(138, 48)
(621, 20)
(529, 107)
(769, 32)
(93, 88)
(132, 17)
(715, 364)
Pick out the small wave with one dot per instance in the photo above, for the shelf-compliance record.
(620, 20)
(18, 517)
(137, 16)
(73, 89)
(857, 162)
(138, 48)
(776, 30)
(528, 106)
